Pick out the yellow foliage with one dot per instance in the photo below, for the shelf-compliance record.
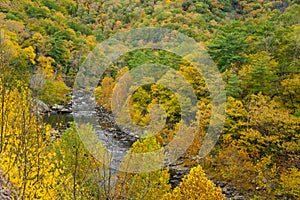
(26, 156)
(30, 54)
(81, 172)
(45, 66)
(168, 2)
(104, 93)
(290, 182)
(196, 186)
(258, 136)
(291, 89)
(226, 166)
(144, 185)
(267, 172)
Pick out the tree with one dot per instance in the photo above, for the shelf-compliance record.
(53, 92)
(233, 87)
(143, 185)
(229, 46)
(27, 158)
(195, 185)
(104, 92)
(81, 171)
(60, 51)
(259, 75)
(291, 92)
(13, 70)
(45, 66)
(261, 136)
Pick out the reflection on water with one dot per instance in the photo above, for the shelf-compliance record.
(58, 120)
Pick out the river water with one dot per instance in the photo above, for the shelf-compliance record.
(111, 137)
(116, 141)
(58, 120)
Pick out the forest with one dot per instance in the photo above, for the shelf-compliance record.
(255, 46)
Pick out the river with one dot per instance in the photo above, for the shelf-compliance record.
(120, 142)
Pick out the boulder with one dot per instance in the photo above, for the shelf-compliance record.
(61, 108)
(40, 106)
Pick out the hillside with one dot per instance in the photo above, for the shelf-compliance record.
(255, 45)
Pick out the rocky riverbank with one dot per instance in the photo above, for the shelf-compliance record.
(177, 170)
(42, 108)
(107, 123)
(127, 138)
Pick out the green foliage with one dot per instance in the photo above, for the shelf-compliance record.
(80, 27)
(60, 51)
(259, 75)
(80, 176)
(139, 57)
(51, 4)
(36, 11)
(233, 86)
(53, 92)
(255, 45)
(229, 46)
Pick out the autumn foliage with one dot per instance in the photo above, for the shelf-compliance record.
(255, 46)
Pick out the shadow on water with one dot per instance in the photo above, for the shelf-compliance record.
(58, 120)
